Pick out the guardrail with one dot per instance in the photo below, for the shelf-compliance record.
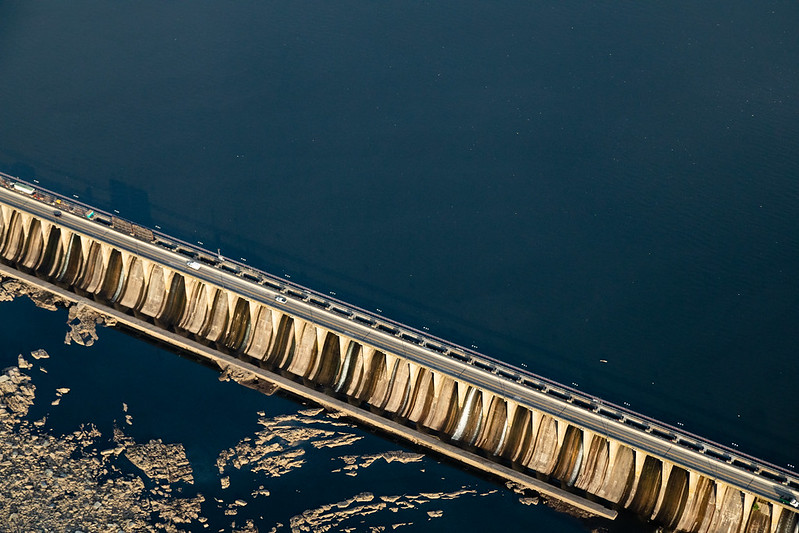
(423, 339)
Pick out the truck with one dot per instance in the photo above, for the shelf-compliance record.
(21, 187)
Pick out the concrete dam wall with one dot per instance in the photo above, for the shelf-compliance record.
(497, 427)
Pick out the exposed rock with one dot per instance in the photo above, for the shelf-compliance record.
(62, 483)
(16, 394)
(277, 449)
(23, 364)
(40, 354)
(249, 527)
(248, 379)
(178, 510)
(331, 517)
(82, 322)
(354, 462)
(161, 462)
(56, 485)
(11, 288)
(260, 491)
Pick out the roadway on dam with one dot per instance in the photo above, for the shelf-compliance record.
(461, 371)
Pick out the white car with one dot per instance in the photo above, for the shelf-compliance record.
(193, 264)
(281, 299)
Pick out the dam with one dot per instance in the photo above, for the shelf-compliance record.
(491, 416)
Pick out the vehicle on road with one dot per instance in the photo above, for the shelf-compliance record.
(281, 299)
(193, 264)
(789, 500)
(56, 213)
(26, 189)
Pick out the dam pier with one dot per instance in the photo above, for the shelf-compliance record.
(503, 420)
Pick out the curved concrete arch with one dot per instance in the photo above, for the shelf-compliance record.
(94, 269)
(783, 520)
(495, 427)
(4, 216)
(358, 389)
(174, 305)
(197, 308)
(114, 278)
(284, 340)
(700, 506)
(351, 370)
(328, 364)
(307, 348)
(400, 389)
(729, 510)
(34, 245)
(386, 364)
(73, 261)
(595, 464)
(545, 448)
(261, 336)
(319, 359)
(643, 498)
(470, 417)
(445, 403)
(421, 396)
(14, 241)
(620, 473)
(570, 456)
(156, 290)
(239, 326)
(674, 497)
(374, 371)
(216, 325)
(519, 433)
(53, 254)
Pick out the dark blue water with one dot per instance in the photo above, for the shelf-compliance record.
(558, 184)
